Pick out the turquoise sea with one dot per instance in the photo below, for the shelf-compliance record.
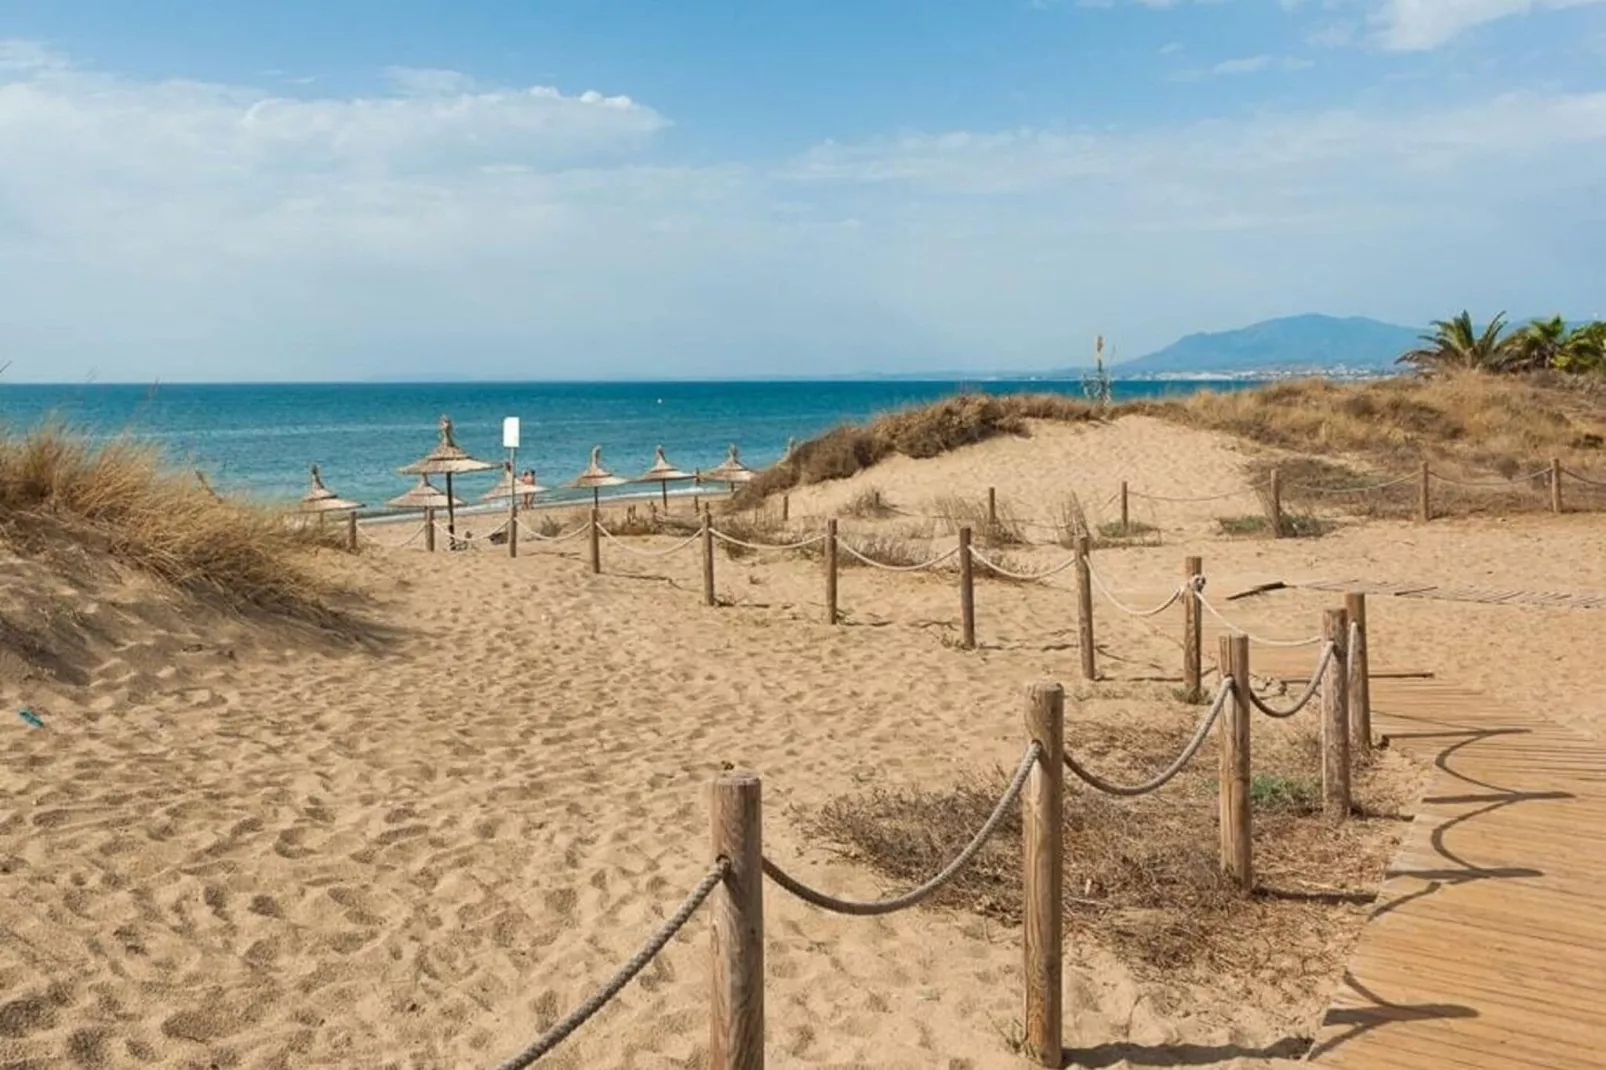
(259, 439)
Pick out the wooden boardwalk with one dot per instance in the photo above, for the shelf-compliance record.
(1487, 947)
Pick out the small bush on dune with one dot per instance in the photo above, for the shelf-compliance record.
(57, 486)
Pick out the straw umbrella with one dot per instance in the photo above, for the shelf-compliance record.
(320, 499)
(509, 486)
(663, 473)
(448, 459)
(731, 471)
(596, 477)
(424, 495)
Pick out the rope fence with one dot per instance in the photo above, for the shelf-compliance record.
(733, 883)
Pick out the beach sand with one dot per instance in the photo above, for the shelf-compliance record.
(234, 846)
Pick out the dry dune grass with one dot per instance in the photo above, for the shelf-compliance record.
(59, 491)
(1465, 423)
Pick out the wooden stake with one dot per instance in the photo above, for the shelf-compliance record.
(1276, 503)
(831, 614)
(1335, 718)
(708, 562)
(1237, 848)
(351, 531)
(1360, 680)
(967, 593)
(992, 507)
(1042, 825)
(1084, 610)
(1555, 485)
(737, 915)
(1126, 526)
(429, 530)
(1192, 631)
(1424, 502)
(513, 528)
(596, 540)
(786, 508)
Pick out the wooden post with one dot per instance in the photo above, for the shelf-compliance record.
(1276, 496)
(596, 540)
(737, 925)
(1126, 526)
(1335, 718)
(1084, 610)
(1424, 503)
(351, 531)
(786, 508)
(1043, 835)
(1237, 849)
(831, 615)
(708, 562)
(1360, 680)
(992, 507)
(513, 528)
(429, 530)
(1555, 485)
(967, 593)
(1192, 631)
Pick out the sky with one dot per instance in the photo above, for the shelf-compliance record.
(586, 189)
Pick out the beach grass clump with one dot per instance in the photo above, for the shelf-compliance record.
(1000, 527)
(868, 504)
(922, 431)
(884, 548)
(1142, 875)
(60, 490)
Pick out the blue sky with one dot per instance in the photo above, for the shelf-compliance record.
(589, 189)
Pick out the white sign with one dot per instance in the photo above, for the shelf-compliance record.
(510, 432)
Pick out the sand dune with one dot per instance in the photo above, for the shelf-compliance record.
(232, 847)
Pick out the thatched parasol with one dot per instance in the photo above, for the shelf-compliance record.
(448, 459)
(663, 473)
(424, 495)
(596, 477)
(320, 499)
(731, 471)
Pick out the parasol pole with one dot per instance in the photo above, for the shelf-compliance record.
(451, 514)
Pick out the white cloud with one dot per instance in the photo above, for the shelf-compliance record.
(186, 229)
(1409, 25)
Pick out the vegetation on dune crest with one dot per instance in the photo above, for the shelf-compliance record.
(60, 492)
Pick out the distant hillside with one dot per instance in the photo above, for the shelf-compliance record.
(1311, 341)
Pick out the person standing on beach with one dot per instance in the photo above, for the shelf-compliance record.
(528, 480)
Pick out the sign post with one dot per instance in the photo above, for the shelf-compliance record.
(510, 442)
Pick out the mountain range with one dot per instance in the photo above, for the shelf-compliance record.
(1291, 343)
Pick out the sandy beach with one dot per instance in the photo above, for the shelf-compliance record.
(233, 846)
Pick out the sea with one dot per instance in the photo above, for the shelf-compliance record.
(259, 439)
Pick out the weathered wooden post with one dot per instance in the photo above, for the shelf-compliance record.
(786, 508)
(1335, 718)
(513, 528)
(992, 507)
(1555, 485)
(1360, 680)
(737, 916)
(429, 530)
(1424, 502)
(1126, 526)
(1042, 825)
(831, 615)
(1192, 631)
(1237, 845)
(351, 531)
(1084, 610)
(967, 593)
(1275, 494)
(707, 534)
(596, 540)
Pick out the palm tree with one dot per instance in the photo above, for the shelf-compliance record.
(1458, 344)
(1584, 349)
(1536, 345)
